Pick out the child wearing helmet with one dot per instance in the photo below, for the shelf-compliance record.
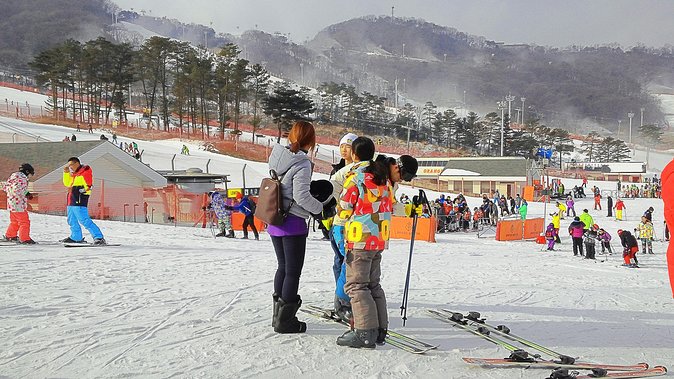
(16, 188)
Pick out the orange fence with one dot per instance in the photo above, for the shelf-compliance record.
(513, 230)
(401, 228)
(115, 201)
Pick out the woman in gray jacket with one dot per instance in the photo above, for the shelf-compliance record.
(293, 166)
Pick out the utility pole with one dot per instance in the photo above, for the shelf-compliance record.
(501, 105)
(523, 99)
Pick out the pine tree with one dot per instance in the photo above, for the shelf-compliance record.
(258, 84)
(589, 146)
(285, 105)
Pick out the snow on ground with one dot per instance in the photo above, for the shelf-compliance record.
(174, 302)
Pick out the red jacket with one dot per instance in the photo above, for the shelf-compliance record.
(79, 185)
(667, 180)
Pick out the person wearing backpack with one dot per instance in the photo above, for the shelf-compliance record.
(289, 238)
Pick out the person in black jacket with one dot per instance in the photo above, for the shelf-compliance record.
(631, 247)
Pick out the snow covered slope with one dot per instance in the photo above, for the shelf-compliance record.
(174, 302)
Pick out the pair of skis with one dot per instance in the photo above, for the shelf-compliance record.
(395, 339)
(65, 244)
(499, 335)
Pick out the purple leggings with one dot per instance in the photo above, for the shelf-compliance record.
(551, 244)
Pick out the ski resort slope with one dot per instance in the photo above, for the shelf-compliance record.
(175, 302)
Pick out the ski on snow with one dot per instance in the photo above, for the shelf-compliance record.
(601, 373)
(534, 363)
(395, 339)
(87, 244)
(518, 356)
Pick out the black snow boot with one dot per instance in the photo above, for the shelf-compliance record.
(286, 321)
(276, 306)
(381, 335)
(359, 338)
(230, 234)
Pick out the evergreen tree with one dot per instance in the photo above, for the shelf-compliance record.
(589, 146)
(285, 105)
(560, 140)
(258, 84)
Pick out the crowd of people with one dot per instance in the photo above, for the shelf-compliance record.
(455, 215)
(585, 234)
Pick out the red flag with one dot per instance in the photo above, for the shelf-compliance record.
(667, 178)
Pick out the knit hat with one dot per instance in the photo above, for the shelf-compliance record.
(348, 139)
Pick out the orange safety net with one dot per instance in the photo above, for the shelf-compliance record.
(115, 201)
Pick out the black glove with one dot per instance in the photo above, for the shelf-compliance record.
(29, 196)
(328, 210)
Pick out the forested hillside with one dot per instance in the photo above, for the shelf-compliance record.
(28, 27)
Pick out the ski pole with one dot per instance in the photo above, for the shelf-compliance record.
(416, 201)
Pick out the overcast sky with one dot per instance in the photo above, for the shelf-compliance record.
(544, 22)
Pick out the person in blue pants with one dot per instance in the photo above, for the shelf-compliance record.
(79, 180)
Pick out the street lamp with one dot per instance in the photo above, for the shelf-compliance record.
(510, 98)
(501, 105)
(630, 115)
(523, 99)
(619, 122)
(642, 117)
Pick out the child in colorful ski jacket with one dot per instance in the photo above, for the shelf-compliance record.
(16, 189)
(645, 233)
(367, 200)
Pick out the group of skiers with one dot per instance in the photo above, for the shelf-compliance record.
(223, 208)
(585, 233)
(361, 200)
(77, 178)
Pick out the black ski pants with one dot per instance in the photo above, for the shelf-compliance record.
(589, 251)
(249, 221)
(290, 251)
(577, 245)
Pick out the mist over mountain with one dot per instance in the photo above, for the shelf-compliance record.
(403, 59)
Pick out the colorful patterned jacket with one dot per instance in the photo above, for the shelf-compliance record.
(368, 208)
(16, 188)
(645, 230)
(79, 184)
